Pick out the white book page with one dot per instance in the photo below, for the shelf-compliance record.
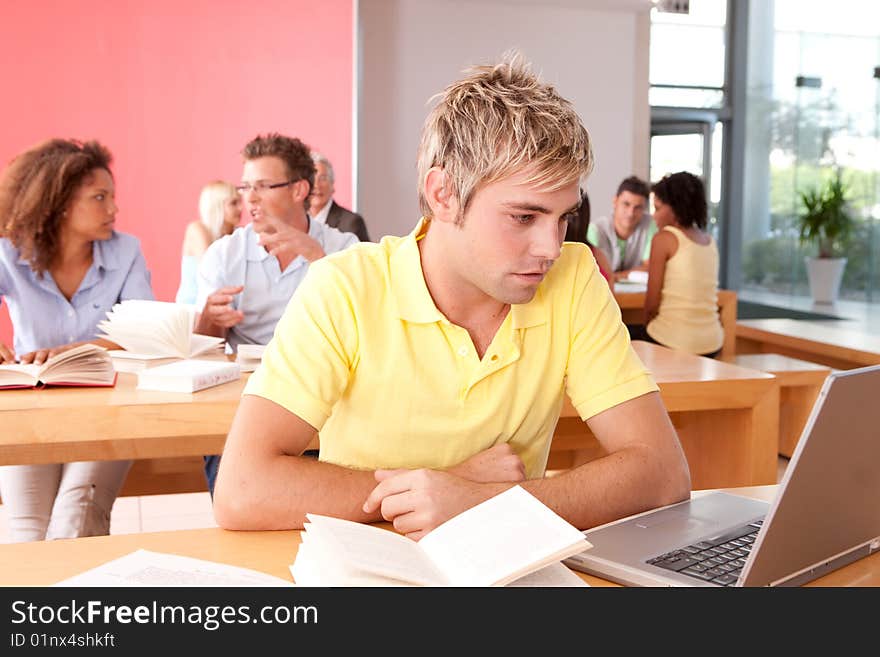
(552, 576)
(373, 551)
(201, 344)
(131, 355)
(153, 327)
(18, 374)
(144, 568)
(501, 539)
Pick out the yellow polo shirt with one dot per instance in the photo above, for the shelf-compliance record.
(363, 355)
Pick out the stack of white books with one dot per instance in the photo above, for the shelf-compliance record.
(249, 356)
(188, 375)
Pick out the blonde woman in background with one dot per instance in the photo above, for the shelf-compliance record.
(219, 214)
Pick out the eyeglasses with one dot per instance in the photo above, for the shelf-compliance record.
(261, 186)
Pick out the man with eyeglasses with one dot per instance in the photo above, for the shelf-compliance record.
(324, 208)
(246, 279)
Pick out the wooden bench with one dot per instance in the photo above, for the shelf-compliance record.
(799, 384)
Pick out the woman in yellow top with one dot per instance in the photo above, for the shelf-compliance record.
(681, 305)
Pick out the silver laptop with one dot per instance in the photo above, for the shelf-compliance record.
(825, 515)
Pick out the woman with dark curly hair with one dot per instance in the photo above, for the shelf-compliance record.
(681, 304)
(62, 267)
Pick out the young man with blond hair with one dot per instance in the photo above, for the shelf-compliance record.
(434, 365)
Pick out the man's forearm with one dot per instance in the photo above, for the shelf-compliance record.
(620, 484)
(287, 488)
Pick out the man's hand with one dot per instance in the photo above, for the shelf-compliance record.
(417, 501)
(498, 463)
(218, 310)
(286, 242)
(7, 356)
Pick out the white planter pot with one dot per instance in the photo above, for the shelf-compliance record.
(825, 275)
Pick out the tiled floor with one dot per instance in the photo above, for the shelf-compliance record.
(153, 513)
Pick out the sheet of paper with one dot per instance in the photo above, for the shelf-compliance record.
(146, 568)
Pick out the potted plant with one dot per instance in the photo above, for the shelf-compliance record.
(827, 223)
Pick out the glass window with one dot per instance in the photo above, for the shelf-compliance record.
(816, 130)
(689, 49)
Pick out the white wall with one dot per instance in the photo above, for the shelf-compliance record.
(409, 50)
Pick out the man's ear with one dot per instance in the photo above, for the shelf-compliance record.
(438, 192)
(300, 190)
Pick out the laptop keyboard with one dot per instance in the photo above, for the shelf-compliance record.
(719, 561)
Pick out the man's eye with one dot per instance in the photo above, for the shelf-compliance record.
(569, 217)
(99, 197)
(523, 218)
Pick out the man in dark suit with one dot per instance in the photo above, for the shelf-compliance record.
(323, 208)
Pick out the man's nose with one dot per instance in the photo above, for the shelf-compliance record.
(547, 242)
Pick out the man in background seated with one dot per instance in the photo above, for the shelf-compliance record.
(324, 209)
(625, 236)
(435, 365)
(246, 278)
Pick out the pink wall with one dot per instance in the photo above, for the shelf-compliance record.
(175, 89)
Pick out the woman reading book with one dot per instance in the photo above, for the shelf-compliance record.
(62, 267)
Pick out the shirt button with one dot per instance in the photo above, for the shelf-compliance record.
(462, 351)
(70, 313)
(494, 356)
(70, 338)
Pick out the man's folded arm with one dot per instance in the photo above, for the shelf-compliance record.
(264, 482)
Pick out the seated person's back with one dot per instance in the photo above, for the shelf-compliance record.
(219, 214)
(681, 303)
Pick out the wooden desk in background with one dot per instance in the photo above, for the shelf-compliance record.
(819, 342)
(726, 417)
(60, 425)
(47, 562)
(632, 310)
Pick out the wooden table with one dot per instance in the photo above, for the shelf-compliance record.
(167, 432)
(840, 346)
(799, 384)
(727, 418)
(47, 562)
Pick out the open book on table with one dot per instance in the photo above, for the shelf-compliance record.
(509, 539)
(85, 365)
(157, 328)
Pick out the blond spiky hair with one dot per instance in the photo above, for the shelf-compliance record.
(498, 121)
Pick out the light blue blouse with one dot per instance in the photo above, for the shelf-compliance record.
(42, 317)
(189, 283)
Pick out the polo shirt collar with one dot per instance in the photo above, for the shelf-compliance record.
(414, 303)
(254, 251)
(533, 313)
